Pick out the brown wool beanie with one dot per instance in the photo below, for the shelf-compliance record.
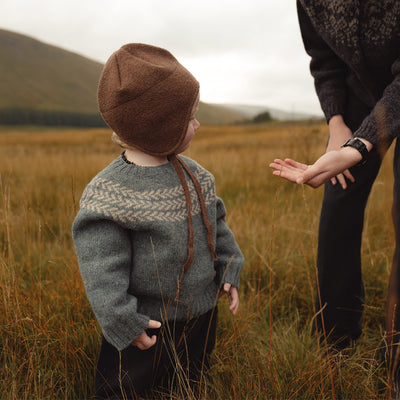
(146, 96)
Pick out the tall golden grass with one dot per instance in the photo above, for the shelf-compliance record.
(49, 338)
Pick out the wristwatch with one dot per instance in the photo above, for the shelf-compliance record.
(358, 145)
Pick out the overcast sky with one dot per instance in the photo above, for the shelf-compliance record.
(241, 51)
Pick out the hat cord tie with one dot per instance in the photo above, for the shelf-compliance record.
(179, 166)
(207, 223)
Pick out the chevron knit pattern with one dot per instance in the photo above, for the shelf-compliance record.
(113, 200)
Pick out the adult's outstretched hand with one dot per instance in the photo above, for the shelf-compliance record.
(327, 166)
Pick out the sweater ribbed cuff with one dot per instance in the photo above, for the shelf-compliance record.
(367, 131)
(122, 335)
(230, 273)
(232, 276)
(379, 139)
(332, 109)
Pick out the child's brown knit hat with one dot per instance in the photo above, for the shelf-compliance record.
(146, 96)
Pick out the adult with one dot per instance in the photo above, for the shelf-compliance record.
(355, 61)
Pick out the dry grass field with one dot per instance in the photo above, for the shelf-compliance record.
(48, 335)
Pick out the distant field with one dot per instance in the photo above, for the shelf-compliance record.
(48, 335)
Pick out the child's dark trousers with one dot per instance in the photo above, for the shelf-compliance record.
(178, 361)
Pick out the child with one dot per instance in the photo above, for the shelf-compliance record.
(154, 250)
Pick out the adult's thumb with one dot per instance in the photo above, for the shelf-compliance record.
(300, 180)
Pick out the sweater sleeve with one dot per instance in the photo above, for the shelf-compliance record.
(382, 126)
(230, 259)
(104, 255)
(327, 69)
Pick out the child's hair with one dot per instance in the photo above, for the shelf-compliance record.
(118, 141)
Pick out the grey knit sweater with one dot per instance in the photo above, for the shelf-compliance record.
(131, 239)
(355, 46)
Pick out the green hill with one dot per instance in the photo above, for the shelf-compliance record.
(38, 76)
(213, 114)
(44, 84)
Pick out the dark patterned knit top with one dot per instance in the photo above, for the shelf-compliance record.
(131, 238)
(355, 46)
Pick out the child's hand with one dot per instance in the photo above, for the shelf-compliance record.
(233, 297)
(144, 341)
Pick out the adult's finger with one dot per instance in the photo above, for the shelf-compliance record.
(342, 181)
(349, 175)
(295, 164)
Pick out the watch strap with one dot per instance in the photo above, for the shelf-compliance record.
(358, 145)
